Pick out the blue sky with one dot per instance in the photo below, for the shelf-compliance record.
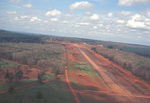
(112, 20)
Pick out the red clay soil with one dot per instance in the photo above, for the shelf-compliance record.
(123, 84)
(85, 82)
(70, 88)
(119, 86)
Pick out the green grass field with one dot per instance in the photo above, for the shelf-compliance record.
(7, 64)
(85, 68)
(52, 92)
(22, 83)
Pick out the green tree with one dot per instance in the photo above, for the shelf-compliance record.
(19, 75)
(39, 77)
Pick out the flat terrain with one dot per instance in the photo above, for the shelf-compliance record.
(119, 86)
(88, 78)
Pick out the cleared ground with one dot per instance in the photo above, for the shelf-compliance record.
(117, 84)
(88, 78)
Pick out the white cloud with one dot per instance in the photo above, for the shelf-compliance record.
(11, 12)
(95, 27)
(110, 14)
(24, 17)
(135, 24)
(139, 21)
(45, 21)
(69, 15)
(84, 23)
(54, 19)
(81, 5)
(121, 21)
(27, 6)
(136, 17)
(15, 1)
(132, 2)
(16, 18)
(53, 13)
(35, 19)
(125, 13)
(94, 17)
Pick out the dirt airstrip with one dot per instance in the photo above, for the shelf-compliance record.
(115, 84)
(105, 83)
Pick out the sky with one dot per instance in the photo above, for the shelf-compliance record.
(126, 21)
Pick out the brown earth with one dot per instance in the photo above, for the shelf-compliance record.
(116, 84)
(113, 84)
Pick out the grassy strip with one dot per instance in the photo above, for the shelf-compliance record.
(51, 92)
(21, 83)
(85, 68)
(7, 64)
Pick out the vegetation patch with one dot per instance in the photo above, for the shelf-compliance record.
(21, 83)
(47, 57)
(138, 65)
(85, 68)
(7, 64)
(82, 66)
(50, 92)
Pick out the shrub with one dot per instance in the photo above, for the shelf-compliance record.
(39, 95)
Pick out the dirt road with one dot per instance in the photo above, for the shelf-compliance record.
(70, 87)
(121, 83)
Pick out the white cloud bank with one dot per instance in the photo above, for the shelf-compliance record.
(94, 17)
(81, 5)
(110, 14)
(15, 1)
(139, 21)
(53, 13)
(54, 19)
(125, 13)
(132, 2)
(28, 6)
(11, 12)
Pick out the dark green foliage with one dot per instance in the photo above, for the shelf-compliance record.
(43, 74)
(7, 36)
(110, 47)
(39, 95)
(39, 77)
(10, 77)
(57, 72)
(52, 92)
(11, 88)
(19, 74)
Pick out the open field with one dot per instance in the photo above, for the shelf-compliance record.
(51, 92)
(115, 78)
(31, 59)
(71, 73)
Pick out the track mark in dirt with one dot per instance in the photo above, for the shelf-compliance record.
(113, 93)
(70, 87)
(115, 86)
(27, 85)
